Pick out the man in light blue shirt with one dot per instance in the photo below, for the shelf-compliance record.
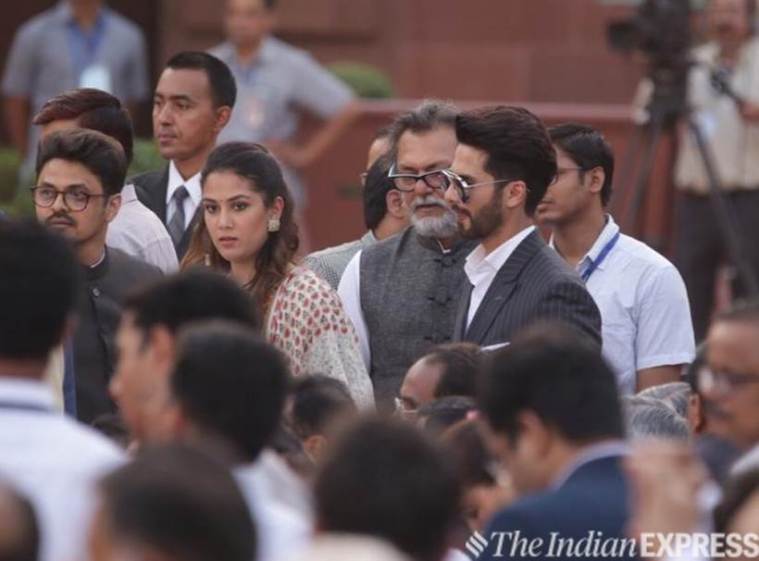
(275, 81)
(77, 43)
(646, 323)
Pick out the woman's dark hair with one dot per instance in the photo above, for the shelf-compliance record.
(254, 163)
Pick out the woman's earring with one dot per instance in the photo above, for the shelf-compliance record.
(273, 225)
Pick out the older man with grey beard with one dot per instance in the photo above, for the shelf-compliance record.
(402, 293)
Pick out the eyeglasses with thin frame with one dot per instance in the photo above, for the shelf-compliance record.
(710, 381)
(463, 187)
(562, 171)
(76, 200)
(406, 182)
(402, 408)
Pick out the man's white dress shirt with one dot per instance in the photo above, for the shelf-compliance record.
(482, 267)
(644, 306)
(55, 462)
(281, 531)
(137, 231)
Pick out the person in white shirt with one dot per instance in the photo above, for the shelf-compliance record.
(502, 167)
(50, 458)
(229, 385)
(646, 322)
(136, 230)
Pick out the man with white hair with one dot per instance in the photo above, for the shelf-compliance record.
(402, 293)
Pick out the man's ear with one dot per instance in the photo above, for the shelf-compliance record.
(314, 447)
(394, 204)
(595, 179)
(514, 195)
(534, 433)
(223, 114)
(112, 207)
(162, 343)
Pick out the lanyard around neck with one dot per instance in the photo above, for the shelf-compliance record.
(594, 264)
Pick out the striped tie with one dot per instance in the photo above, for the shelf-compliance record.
(176, 224)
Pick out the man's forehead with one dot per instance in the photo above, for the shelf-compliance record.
(186, 82)
(423, 150)
(63, 173)
(469, 160)
(734, 342)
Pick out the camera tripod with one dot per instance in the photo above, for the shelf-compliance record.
(668, 108)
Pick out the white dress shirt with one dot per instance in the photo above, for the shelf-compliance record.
(137, 231)
(55, 462)
(191, 203)
(281, 531)
(482, 267)
(644, 307)
(349, 291)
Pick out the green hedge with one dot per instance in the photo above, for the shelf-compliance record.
(365, 80)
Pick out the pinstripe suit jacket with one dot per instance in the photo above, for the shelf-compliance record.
(535, 284)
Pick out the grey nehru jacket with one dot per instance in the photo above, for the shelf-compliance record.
(330, 263)
(409, 295)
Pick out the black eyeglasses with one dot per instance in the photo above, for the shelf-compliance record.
(406, 182)
(75, 199)
(463, 187)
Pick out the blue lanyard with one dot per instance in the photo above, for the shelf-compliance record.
(600, 259)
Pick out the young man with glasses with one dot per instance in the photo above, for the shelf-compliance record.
(80, 174)
(730, 378)
(401, 293)
(503, 165)
(647, 329)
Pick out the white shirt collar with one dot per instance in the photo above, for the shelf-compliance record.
(606, 449)
(128, 194)
(479, 264)
(192, 185)
(23, 391)
(607, 234)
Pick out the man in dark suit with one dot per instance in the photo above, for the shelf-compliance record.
(503, 165)
(191, 105)
(552, 416)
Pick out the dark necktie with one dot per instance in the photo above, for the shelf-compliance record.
(176, 224)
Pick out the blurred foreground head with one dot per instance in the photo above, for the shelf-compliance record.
(171, 504)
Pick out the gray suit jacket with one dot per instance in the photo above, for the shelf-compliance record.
(534, 284)
(151, 190)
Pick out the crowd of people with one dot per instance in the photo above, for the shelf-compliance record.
(492, 370)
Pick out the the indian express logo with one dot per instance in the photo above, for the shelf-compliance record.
(596, 545)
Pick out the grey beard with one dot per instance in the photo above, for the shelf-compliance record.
(440, 227)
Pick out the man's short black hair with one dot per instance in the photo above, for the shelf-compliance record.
(316, 401)
(20, 532)
(473, 461)
(428, 116)
(91, 109)
(220, 78)
(39, 283)
(376, 188)
(231, 383)
(191, 296)
(100, 154)
(461, 364)
(517, 146)
(588, 149)
(559, 377)
(181, 503)
(385, 479)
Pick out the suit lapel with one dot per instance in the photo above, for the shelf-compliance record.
(159, 193)
(459, 329)
(502, 288)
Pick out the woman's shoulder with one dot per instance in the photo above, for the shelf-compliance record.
(301, 279)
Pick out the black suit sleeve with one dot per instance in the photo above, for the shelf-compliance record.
(570, 302)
